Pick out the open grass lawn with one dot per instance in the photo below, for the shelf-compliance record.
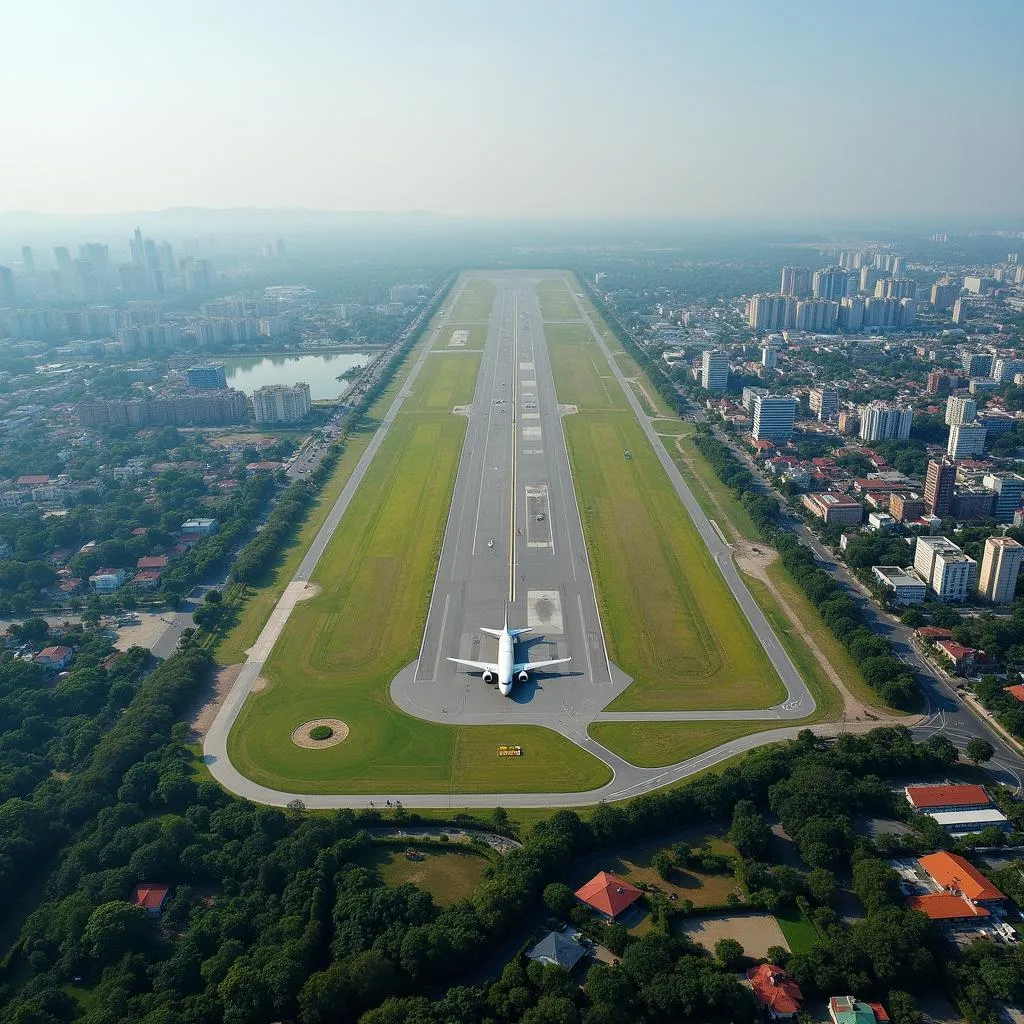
(556, 301)
(669, 619)
(449, 875)
(474, 303)
(800, 933)
(475, 343)
(672, 428)
(656, 744)
(633, 863)
(341, 650)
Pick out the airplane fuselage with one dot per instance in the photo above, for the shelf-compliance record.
(506, 662)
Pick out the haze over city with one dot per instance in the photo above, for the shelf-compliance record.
(507, 109)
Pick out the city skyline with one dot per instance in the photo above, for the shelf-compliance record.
(564, 110)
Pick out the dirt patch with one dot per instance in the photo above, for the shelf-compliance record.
(144, 634)
(202, 717)
(312, 590)
(754, 932)
(567, 410)
(301, 737)
(260, 685)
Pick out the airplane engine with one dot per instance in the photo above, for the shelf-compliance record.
(488, 677)
(523, 677)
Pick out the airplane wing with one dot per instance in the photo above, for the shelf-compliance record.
(533, 666)
(480, 666)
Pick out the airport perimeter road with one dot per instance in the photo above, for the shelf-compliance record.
(798, 703)
(513, 539)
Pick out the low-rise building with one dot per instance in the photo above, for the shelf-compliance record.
(776, 991)
(106, 581)
(608, 894)
(906, 506)
(952, 873)
(906, 585)
(55, 658)
(558, 950)
(199, 527)
(151, 896)
(849, 1010)
(834, 508)
(963, 659)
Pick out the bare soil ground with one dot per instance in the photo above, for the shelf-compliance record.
(202, 717)
(754, 932)
(145, 634)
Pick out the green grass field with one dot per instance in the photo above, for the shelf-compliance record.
(474, 303)
(800, 933)
(340, 650)
(668, 616)
(672, 428)
(448, 874)
(477, 337)
(556, 302)
(656, 744)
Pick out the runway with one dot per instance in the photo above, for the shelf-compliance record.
(514, 538)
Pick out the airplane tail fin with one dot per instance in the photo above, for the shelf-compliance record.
(490, 632)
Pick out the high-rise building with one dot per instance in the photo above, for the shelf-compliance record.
(948, 572)
(714, 370)
(944, 293)
(278, 403)
(960, 410)
(939, 485)
(28, 260)
(817, 315)
(961, 311)
(1009, 489)
(869, 277)
(749, 394)
(7, 294)
(796, 281)
(977, 364)
(938, 382)
(769, 357)
(771, 312)
(849, 422)
(830, 283)
(1006, 369)
(895, 288)
(965, 440)
(207, 376)
(824, 402)
(883, 421)
(1000, 566)
(851, 313)
(906, 506)
(774, 416)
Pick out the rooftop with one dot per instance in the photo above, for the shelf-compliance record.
(945, 906)
(935, 797)
(607, 893)
(952, 872)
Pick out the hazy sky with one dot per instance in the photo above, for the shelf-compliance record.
(516, 108)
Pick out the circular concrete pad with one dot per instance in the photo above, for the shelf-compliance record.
(301, 737)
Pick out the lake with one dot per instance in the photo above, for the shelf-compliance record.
(247, 373)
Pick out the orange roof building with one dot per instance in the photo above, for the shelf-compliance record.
(934, 798)
(608, 894)
(1016, 691)
(956, 875)
(775, 990)
(944, 907)
(151, 896)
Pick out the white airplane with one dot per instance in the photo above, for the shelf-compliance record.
(506, 670)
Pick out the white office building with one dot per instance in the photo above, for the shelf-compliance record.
(824, 402)
(965, 440)
(884, 421)
(1009, 489)
(774, 416)
(715, 371)
(1000, 566)
(278, 403)
(948, 572)
(960, 410)
(769, 357)
(771, 312)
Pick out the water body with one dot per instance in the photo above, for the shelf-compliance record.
(320, 372)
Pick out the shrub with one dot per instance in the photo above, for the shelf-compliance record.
(321, 732)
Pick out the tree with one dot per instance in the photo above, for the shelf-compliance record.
(729, 953)
(978, 750)
(749, 832)
(663, 864)
(114, 929)
(821, 885)
(777, 955)
(903, 1008)
(559, 899)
